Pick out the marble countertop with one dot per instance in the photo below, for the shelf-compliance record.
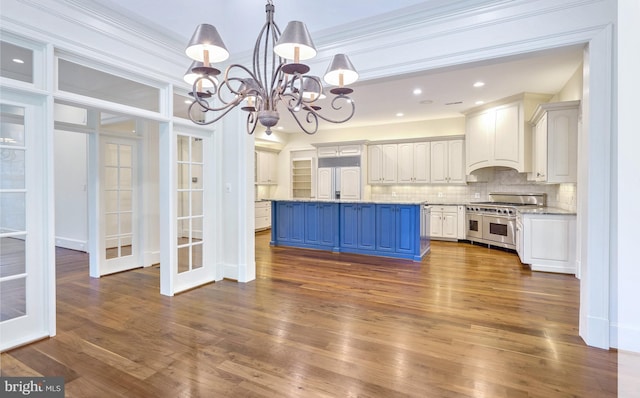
(399, 202)
(545, 211)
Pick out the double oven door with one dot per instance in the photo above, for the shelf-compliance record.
(491, 229)
(474, 226)
(500, 230)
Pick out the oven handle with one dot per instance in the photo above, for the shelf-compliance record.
(496, 215)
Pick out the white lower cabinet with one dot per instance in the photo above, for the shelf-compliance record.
(263, 215)
(444, 222)
(547, 242)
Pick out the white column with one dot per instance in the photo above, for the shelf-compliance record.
(238, 235)
(594, 191)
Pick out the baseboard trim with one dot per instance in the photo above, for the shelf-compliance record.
(598, 333)
(73, 244)
(628, 338)
(151, 258)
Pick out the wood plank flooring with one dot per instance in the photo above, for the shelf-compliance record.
(465, 322)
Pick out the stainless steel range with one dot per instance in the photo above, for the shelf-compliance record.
(494, 222)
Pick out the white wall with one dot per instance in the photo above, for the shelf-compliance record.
(70, 165)
(627, 212)
(572, 89)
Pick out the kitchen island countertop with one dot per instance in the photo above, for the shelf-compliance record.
(398, 202)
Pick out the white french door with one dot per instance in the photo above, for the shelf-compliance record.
(191, 256)
(27, 298)
(119, 212)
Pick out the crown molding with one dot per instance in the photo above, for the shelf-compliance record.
(118, 19)
(90, 17)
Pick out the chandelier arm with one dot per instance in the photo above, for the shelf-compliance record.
(256, 54)
(204, 104)
(252, 122)
(226, 109)
(295, 99)
(228, 79)
(312, 118)
(333, 102)
(196, 94)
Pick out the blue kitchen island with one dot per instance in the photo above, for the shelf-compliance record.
(398, 230)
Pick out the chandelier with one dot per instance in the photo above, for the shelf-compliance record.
(276, 80)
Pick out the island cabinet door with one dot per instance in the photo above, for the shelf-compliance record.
(328, 224)
(283, 221)
(386, 227)
(290, 222)
(311, 225)
(406, 228)
(367, 226)
(349, 226)
(297, 222)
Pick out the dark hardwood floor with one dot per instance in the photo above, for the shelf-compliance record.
(465, 322)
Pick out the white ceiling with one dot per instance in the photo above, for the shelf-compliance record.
(377, 101)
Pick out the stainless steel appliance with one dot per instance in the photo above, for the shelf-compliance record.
(494, 223)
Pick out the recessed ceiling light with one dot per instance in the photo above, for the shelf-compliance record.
(280, 128)
(18, 61)
(479, 102)
(478, 84)
(399, 114)
(417, 91)
(187, 101)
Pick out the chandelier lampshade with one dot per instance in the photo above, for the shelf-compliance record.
(207, 43)
(295, 43)
(265, 89)
(341, 71)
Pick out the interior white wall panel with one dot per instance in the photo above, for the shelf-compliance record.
(70, 164)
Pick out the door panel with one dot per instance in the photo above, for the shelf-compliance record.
(119, 215)
(192, 264)
(24, 265)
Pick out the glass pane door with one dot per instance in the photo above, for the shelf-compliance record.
(119, 216)
(23, 264)
(13, 233)
(190, 214)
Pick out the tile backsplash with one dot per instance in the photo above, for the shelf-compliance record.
(559, 195)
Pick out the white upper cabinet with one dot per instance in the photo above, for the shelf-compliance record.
(266, 167)
(555, 137)
(414, 162)
(383, 163)
(349, 150)
(328, 151)
(339, 150)
(479, 139)
(498, 136)
(447, 162)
